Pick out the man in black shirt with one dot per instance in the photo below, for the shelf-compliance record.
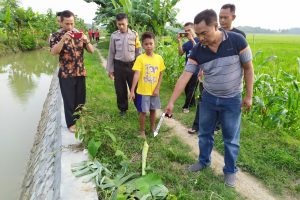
(227, 16)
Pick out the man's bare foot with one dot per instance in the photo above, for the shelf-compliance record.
(142, 134)
(72, 128)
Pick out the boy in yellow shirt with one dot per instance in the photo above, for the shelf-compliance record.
(148, 69)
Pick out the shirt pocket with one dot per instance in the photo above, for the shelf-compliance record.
(118, 45)
(131, 44)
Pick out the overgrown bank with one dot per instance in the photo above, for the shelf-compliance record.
(272, 155)
(167, 156)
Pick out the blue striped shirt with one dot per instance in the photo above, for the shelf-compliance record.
(222, 70)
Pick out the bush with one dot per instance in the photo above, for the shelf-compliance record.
(27, 41)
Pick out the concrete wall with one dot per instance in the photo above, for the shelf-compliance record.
(43, 173)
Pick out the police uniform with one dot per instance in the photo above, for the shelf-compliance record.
(123, 49)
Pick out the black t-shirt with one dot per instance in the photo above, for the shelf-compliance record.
(238, 31)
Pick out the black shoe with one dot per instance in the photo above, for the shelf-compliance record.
(122, 113)
(192, 131)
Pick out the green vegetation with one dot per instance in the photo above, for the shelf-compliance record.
(24, 29)
(142, 14)
(270, 133)
(116, 140)
(270, 142)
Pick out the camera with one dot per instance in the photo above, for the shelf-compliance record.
(76, 35)
(183, 34)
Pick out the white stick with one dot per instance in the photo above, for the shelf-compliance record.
(159, 124)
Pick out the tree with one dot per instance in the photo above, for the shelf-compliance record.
(142, 14)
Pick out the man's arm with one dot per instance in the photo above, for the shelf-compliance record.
(56, 49)
(180, 50)
(179, 87)
(88, 46)
(110, 58)
(249, 77)
(156, 91)
(134, 83)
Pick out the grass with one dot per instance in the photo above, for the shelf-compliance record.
(167, 156)
(273, 156)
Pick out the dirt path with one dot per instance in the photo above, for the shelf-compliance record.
(247, 185)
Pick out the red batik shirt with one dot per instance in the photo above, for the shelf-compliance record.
(70, 56)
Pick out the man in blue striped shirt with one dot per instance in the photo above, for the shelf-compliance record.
(225, 58)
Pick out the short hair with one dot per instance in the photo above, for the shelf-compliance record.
(121, 16)
(66, 14)
(209, 16)
(230, 6)
(58, 14)
(188, 24)
(147, 35)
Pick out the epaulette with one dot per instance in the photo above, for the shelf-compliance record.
(117, 31)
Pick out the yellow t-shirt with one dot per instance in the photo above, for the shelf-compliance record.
(150, 68)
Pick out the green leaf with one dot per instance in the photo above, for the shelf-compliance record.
(159, 191)
(144, 183)
(144, 158)
(93, 147)
(112, 136)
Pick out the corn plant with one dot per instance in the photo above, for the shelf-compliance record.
(276, 97)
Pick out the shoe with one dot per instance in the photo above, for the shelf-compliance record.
(185, 110)
(122, 113)
(196, 167)
(229, 180)
(72, 128)
(192, 131)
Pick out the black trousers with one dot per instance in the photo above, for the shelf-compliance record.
(189, 90)
(73, 92)
(123, 76)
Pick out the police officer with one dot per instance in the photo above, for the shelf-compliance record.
(124, 47)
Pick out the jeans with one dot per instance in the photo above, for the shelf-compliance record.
(228, 111)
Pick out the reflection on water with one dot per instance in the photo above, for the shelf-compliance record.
(24, 83)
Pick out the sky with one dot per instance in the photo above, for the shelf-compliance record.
(263, 13)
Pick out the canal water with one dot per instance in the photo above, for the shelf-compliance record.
(24, 83)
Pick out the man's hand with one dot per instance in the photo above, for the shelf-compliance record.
(131, 96)
(200, 75)
(84, 38)
(111, 75)
(179, 38)
(155, 92)
(169, 109)
(247, 103)
(67, 36)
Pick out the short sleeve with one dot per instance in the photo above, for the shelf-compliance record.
(193, 54)
(244, 50)
(54, 39)
(138, 64)
(185, 47)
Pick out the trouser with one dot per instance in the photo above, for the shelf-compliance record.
(73, 92)
(228, 111)
(196, 120)
(123, 80)
(189, 90)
